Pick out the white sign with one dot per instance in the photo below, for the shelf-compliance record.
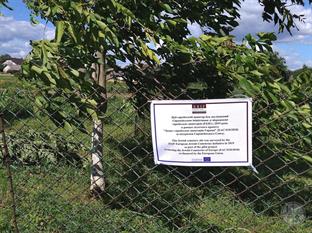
(202, 132)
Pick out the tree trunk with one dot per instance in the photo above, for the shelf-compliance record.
(97, 175)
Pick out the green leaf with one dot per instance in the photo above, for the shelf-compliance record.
(171, 22)
(273, 98)
(275, 85)
(62, 73)
(257, 73)
(75, 72)
(92, 113)
(52, 80)
(71, 32)
(166, 7)
(148, 52)
(37, 69)
(68, 127)
(77, 7)
(286, 89)
(289, 105)
(307, 140)
(108, 32)
(59, 27)
(307, 158)
(306, 125)
(122, 9)
(40, 101)
(247, 86)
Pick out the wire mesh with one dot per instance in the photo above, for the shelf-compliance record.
(51, 172)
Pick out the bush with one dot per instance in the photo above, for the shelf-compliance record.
(16, 104)
(29, 147)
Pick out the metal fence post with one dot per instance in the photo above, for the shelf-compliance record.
(7, 164)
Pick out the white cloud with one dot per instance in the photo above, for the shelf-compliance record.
(195, 29)
(251, 22)
(293, 58)
(15, 35)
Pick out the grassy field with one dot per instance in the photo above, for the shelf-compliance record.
(55, 199)
(8, 81)
(52, 188)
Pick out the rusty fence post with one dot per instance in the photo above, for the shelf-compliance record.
(7, 164)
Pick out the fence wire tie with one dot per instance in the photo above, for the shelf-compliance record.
(254, 169)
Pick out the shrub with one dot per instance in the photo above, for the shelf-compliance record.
(29, 147)
(16, 104)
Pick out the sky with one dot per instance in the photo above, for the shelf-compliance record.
(16, 31)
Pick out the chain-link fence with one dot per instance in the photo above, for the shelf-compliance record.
(50, 166)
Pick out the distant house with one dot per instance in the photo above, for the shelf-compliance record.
(13, 65)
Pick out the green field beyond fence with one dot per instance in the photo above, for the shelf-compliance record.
(50, 167)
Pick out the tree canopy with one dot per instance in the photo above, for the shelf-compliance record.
(132, 31)
(4, 57)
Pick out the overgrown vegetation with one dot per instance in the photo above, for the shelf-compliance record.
(48, 122)
(139, 196)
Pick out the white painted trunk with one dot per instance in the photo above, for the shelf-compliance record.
(97, 175)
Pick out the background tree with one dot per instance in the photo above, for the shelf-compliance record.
(281, 69)
(106, 32)
(304, 69)
(4, 57)
(115, 31)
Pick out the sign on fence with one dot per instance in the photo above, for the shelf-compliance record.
(202, 132)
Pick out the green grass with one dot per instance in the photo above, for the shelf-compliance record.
(8, 81)
(54, 196)
(226, 213)
(56, 199)
(139, 198)
(117, 87)
(6, 76)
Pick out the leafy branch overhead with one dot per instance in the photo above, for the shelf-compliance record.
(279, 11)
(214, 67)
